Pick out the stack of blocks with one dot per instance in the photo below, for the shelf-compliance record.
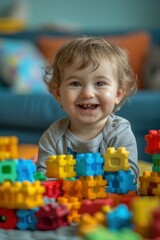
(148, 208)
(75, 187)
(21, 197)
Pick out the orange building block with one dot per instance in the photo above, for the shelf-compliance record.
(93, 187)
(73, 205)
(72, 188)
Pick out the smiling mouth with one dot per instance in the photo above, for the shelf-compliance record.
(88, 106)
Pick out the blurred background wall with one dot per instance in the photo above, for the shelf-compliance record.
(87, 14)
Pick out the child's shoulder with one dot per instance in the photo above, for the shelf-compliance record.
(116, 118)
(115, 121)
(116, 125)
(59, 125)
(56, 130)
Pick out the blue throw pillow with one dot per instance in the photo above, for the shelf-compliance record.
(22, 66)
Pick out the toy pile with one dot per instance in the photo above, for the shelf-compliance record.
(94, 195)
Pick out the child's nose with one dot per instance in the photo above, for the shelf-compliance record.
(88, 92)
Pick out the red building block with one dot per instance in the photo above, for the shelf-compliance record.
(155, 226)
(53, 188)
(153, 142)
(127, 199)
(93, 206)
(8, 218)
(51, 217)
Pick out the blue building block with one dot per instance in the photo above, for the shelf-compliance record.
(127, 181)
(120, 182)
(89, 164)
(27, 219)
(119, 218)
(25, 170)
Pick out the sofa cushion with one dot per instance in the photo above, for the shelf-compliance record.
(137, 45)
(21, 66)
(28, 112)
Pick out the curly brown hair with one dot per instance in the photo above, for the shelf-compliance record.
(91, 50)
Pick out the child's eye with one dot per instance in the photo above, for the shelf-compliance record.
(75, 84)
(100, 83)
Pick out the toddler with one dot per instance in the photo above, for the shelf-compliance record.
(91, 79)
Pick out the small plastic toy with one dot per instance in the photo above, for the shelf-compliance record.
(61, 166)
(8, 147)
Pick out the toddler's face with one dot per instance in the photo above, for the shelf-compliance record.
(88, 96)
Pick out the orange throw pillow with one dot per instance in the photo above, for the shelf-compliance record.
(136, 44)
(50, 45)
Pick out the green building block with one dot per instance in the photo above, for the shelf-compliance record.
(156, 163)
(8, 170)
(39, 176)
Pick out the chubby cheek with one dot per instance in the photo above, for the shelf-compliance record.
(108, 98)
(67, 100)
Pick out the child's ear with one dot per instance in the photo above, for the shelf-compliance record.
(55, 90)
(120, 95)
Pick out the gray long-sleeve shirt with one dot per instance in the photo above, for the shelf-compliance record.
(58, 140)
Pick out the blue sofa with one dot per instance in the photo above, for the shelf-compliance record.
(29, 115)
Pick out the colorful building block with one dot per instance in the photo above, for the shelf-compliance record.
(119, 218)
(73, 204)
(8, 170)
(52, 216)
(155, 224)
(23, 195)
(142, 209)
(153, 142)
(87, 224)
(27, 219)
(61, 166)
(8, 147)
(8, 218)
(93, 206)
(156, 163)
(89, 164)
(120, 182)
(25, 170)
(100, 232)
(53, 188)
(72, 188)
(115, 160)
(39, 176)
(144, 181)
(93, 187)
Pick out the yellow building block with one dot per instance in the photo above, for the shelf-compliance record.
(115, 160)
(61, 166)
(155, 177)
(22, 195)
(142, 207)
(73, 204)
(93, 187)
(8, 147)
(144, 181)
(87, 224)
